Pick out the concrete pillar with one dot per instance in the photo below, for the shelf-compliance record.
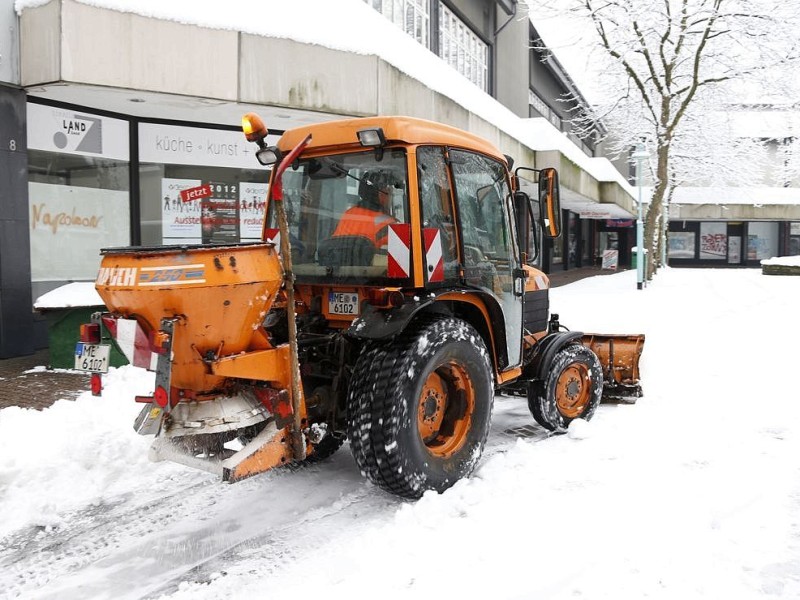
(16, 306)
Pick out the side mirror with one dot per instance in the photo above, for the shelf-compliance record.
(549, 203)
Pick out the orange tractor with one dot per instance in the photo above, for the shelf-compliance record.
(392, 331)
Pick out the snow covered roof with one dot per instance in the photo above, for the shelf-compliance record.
(353, 26)
(756, 196)
(765, 123)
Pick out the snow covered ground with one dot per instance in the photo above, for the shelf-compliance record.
(694, 492)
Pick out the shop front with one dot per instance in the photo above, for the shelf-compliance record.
(730, 243)
(589, 242)
(98, 180)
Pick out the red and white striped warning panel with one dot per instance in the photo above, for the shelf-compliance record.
(433, 254)
(399, 248)
(273, 234)
(132, 341)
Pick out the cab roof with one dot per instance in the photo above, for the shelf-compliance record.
(408, 130)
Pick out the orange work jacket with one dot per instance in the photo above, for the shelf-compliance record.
(367, 223)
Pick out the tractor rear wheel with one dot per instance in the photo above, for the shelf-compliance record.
(419, 407)
(571, 390)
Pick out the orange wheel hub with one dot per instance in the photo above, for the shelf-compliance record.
(573, 390)
(444, 410)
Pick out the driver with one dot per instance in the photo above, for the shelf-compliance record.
(369, 217)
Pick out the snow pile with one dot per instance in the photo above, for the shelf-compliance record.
(74, 455)
(782, 261)
(78, 293)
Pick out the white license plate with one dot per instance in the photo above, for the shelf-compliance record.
(92, 357)
(343, 303)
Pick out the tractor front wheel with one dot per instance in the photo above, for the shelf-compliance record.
(571, 390)
(419, 408)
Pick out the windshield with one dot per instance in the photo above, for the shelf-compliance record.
(340, 209)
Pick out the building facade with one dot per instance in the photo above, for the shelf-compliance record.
(107, 115)
(758, 219)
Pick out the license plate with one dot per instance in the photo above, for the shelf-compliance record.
(343, 303)
(92, 357)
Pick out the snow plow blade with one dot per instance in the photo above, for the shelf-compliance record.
(619, 355)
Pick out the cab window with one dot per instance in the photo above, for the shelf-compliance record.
(437, 204)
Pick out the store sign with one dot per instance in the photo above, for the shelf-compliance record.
(595, 214)
(56, 129)
(176, 145)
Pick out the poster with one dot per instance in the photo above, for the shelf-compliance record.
(219, 218)
(610, 259)
(69, 225)
(180, 221)
(252, 204)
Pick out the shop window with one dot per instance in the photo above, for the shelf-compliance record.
(713, 241)
(794, 239)
(173, 159)
(762, 240)
(78, 191)
(681, 244)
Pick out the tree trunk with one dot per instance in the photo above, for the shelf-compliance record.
(652, 225)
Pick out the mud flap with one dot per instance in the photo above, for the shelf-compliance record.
(149, 420)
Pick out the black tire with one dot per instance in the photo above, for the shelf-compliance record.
(571, 390)
(419, 407)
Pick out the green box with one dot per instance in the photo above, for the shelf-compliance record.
(63, 331)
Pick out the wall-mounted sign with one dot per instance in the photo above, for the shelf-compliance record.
(176, 145)
(595, 214)
(56, 129)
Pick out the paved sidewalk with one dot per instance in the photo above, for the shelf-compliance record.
(27, 382)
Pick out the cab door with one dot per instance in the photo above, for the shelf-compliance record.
(489, 253)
